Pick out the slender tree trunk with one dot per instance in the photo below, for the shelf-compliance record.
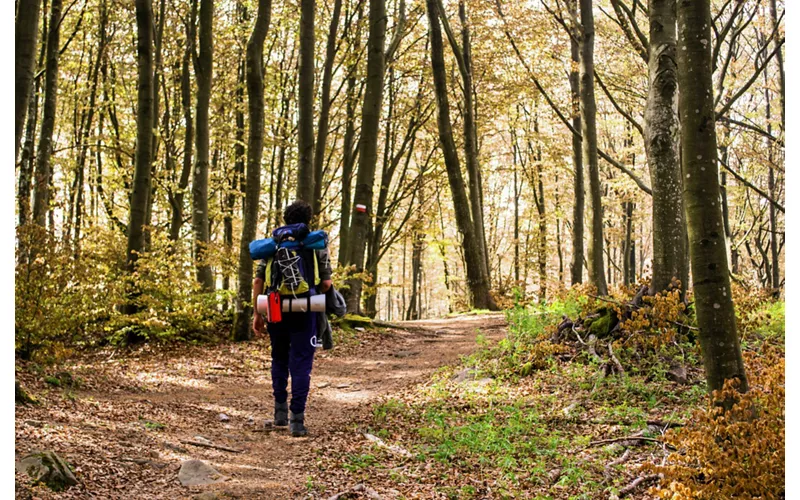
(773, 12)
(325, 106)
(661, 144)
(416, 274)
(203, 73)
(716, 316)
(589, 134)
(26, 32)
(188, 140)
(576, 266)
(255, 150)
(471, 137)
(538, 193)
(361, 221)
(628, 264)
(475, 263)
(775, 274)
(236, 179)
(144, 140)
(26, 159)
(42, 172)
(305, 105)
(349, 152)
(517, 194)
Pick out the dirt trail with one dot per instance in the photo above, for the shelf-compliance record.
(124, 431)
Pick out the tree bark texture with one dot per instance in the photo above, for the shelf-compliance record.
(661, 145)
(589, 135)
(26, 32)
(255, 148)
(325, 106)
(475, 263)
(361, 221)
(716, 317)
(305, 105)
(144, 135)
(203, 73)
(576, 266)
(42, 172)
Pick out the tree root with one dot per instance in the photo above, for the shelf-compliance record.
(627, 490)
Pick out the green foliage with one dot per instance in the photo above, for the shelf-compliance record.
(67, 298)
(527, 347)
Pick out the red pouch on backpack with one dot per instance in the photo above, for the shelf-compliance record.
(274, 307)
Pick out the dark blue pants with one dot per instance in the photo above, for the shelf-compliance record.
(293, 342)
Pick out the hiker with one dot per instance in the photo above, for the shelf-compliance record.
(294, 339)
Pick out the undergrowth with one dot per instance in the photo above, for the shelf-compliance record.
(522, 417)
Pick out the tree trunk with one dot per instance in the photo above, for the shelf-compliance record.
(628, 252)
(538, 194)
(716, 316)
(236, 179)
(471, 138)
(325, 106)
(589, 135)
(26, 159)
(188, 137)
(255, 149)
(305, 105)
(144, 139)
(349, 152)
(475, 263)
(26, 31)
(361, 221)
(416, 274)
(661, 145)
(203, 73)
(42, 172)
(576, 266)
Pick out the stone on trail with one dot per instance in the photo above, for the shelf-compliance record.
(197, 473)
(678, 375)
(204, 440)
(464, 375)
(223, 417)
(49, 468)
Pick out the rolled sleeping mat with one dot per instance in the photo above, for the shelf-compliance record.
(301, 304)
(262, 304)
(315, 303)
(266, 248)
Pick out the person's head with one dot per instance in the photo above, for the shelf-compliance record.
(298, 212)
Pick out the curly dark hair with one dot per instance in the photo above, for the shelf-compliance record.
(298, 212)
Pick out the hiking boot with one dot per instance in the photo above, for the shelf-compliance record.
(296, 425)
(281, 414)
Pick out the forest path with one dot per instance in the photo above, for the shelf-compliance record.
(126, 431)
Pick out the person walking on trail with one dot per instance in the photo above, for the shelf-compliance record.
(294, 338)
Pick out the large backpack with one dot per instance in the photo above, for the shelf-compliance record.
(293, 271)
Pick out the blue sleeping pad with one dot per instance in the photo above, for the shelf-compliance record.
(266, 248)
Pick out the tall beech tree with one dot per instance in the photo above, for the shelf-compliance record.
(325, 106)
(477, 273)
(144, 138)
(203, 72)
(661, 144)
(576, 266)
(44, 153)
(305, 104)
(361, 219)
(589, 136)
(254, 74)
(26, 32)
(716, 317)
